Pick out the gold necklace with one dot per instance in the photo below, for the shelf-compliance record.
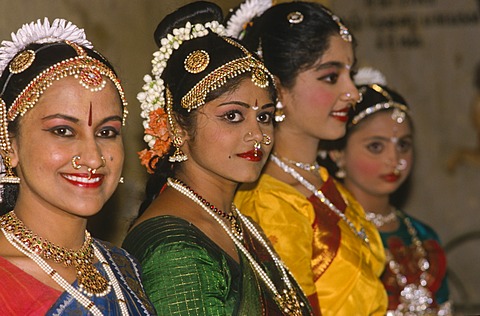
(90, 280)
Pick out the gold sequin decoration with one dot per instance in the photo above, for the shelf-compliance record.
(197, 61)
(22, 61)
(82, 67)
(219, 76)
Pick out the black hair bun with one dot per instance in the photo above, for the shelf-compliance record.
(196, 12)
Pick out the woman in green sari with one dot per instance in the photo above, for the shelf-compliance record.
(208, 108)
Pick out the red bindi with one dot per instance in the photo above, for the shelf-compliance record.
(90, 115)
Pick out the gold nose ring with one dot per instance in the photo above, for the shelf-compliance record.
(74, 162)
(267, 140)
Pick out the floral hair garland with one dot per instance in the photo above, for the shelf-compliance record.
(248, 10)
(38, 32)
(152, 98)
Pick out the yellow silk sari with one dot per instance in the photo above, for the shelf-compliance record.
(322, 252)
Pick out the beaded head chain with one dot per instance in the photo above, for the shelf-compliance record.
(40, 54)
(200, 63)
(376, 97)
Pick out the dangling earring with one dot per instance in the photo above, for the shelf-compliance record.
(340, 174)
(279, 115)
(178, 155)
(9, 176)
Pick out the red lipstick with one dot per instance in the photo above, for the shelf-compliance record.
(252, 155)
(341, 115)
(391, 177)
(84, 180)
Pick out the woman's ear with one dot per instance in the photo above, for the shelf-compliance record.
(13, 153)
(281, 90)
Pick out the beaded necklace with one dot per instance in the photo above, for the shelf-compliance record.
(415, 298)
(310, 167)
(287, 300)
(234, 226)
(380, 220)
(77, 294)
(319, 194)
(90, 280)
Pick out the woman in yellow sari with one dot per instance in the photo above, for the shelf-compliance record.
(318, 229)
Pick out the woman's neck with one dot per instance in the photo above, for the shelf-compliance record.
(295, 146)
(58, 227)
(378, 204)
(216, 190)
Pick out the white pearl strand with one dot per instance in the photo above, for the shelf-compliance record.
(310, 167)
(380, 220)
(82, 299)
(263, 275)
(319, 194)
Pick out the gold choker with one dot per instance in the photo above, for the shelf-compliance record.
(90, 280)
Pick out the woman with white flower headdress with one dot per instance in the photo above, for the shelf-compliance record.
(62, 109)
(208, 109)
(317, 228)
(374, 160)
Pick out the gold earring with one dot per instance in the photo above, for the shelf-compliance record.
(279, 115)
(267, 140)
(9, 176)
(178, 155)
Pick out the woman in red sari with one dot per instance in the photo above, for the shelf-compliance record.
(62, 109)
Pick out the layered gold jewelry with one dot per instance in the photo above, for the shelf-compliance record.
(90, 280)
(156, 96)
(87, 69)
(178, 155)
(287, 299)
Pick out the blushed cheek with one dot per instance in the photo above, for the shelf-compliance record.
(365, 169)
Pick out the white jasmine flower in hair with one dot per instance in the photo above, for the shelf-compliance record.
(41, 32)
(244, 14)
(368, 75)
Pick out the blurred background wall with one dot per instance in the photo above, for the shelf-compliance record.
(429, 51)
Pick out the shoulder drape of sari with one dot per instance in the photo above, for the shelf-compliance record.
(22, 294)
(127, 273)
(187, 273)
(319, 248)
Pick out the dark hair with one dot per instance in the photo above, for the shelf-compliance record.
(180, 81)
(370, 97)
(287, 48)
(12, 84)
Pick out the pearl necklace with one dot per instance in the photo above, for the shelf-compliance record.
(287, 300)
(77, 294)
(380, 220)
(90, 280)
(319, 194)
(310, 167)
(415, 298)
